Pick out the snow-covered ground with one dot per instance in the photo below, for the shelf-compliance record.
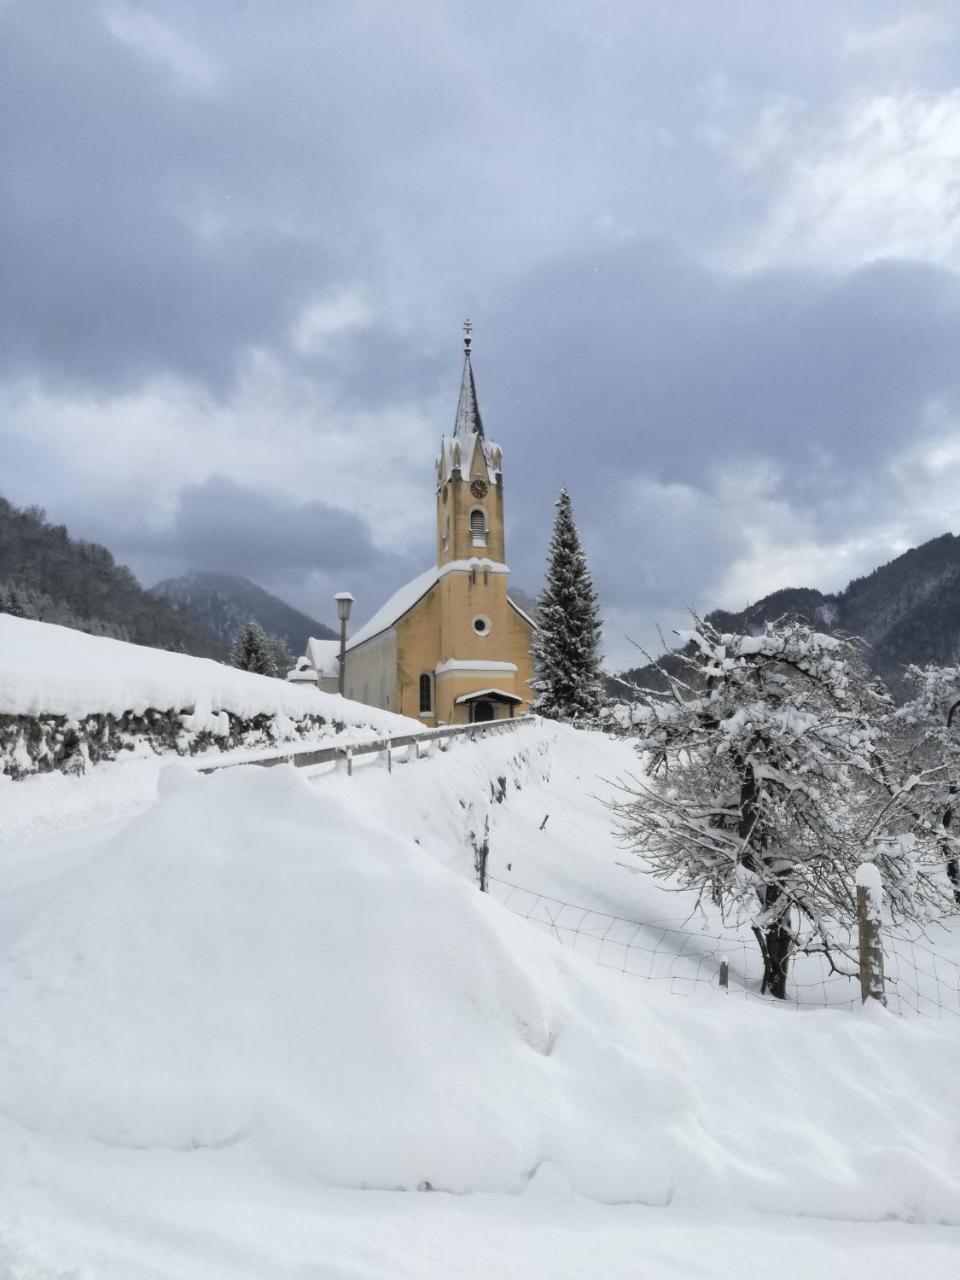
(269, 1027)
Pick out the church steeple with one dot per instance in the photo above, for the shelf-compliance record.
(468, 411)
(469, 481)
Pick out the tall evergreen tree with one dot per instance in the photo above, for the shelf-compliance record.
(566, 646)
(251, 650)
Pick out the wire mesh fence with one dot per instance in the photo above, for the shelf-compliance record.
(683, 960)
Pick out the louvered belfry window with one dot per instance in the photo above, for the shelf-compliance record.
(478, 528)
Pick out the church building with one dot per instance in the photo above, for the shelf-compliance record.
(451, 647)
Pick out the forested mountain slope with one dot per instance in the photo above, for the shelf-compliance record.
(48, 576)
(907, 610)
(223, 602)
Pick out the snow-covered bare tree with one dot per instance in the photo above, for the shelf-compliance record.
(929, 739)
(251, 650)
(566, 644)
(766, 784)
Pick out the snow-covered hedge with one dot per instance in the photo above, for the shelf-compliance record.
(68, 698)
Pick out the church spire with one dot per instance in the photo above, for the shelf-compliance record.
(468, 411)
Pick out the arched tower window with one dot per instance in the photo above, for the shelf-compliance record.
(478, 527)
(426, 694)
(446, 532)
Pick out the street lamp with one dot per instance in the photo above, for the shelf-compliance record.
(344, 603)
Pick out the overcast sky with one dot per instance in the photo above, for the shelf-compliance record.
(710, 252)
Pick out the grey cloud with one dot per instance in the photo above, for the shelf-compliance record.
(638, 360)
(302, 551)
(224, 525)
(561, 178)
(431, 150)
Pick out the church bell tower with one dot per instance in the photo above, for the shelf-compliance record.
(484, 665)
(469, 481)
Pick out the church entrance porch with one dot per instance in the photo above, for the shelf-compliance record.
(488, 704)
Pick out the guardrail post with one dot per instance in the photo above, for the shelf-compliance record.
(389, 756)
(870, 930)
(349, 762)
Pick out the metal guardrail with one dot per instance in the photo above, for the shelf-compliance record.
(308, 757)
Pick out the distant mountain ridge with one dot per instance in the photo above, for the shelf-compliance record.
(48, 576)
(907, 611)
(223, 602)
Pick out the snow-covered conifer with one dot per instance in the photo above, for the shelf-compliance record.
(251, 650)
(565, 647)
(280, 654)
(768, 781)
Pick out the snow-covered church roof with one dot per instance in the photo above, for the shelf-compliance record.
(400, 602)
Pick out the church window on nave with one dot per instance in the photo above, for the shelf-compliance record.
(426, 694)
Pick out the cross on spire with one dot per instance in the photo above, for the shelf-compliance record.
(467, 330)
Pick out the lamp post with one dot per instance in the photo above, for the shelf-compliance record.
(344, 603)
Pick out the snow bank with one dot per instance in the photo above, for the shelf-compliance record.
(49, 670)
(67, 698)
(257, 968)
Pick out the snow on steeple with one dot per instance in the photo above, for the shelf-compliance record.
(468, 411)
(458, 453)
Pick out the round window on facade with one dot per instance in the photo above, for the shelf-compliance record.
(481, 625)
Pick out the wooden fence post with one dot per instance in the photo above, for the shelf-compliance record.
(870, 929)
(724, 973)
(481, 852)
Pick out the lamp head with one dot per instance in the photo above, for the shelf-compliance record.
(344, 603)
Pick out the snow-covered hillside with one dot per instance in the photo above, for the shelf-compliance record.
(239, 1033)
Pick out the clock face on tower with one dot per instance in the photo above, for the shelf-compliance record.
(479, 488)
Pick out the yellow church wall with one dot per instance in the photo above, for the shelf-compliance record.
(386, 670)
(508, 639)
(440, 627)
(418, 644)
(463, 600)
(370, 675)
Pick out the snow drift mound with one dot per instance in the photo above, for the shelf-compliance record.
(252, 964)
